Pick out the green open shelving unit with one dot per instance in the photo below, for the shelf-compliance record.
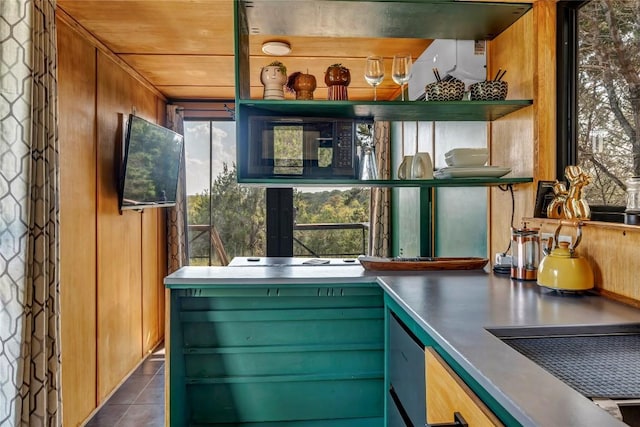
(421, 183)
(389, 110)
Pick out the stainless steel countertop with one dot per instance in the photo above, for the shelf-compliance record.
(455, 308)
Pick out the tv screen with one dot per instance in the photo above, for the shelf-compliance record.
(150, 167)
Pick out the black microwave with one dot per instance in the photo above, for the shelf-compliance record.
(305, 147)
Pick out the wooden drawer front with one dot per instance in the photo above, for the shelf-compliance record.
(406, 371)
(447, 393)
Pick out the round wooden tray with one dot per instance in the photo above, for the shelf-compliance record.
(422, 263)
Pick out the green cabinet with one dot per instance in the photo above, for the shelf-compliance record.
(406, 343)
(287, 355)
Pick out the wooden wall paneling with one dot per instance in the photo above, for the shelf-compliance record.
(545, 106)
(76, 96)
(525, 140)
(119, 235)
(611, 250)
(162, 272)
(150, 279)
(89, 36)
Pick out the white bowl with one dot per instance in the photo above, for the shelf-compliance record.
(466, 157)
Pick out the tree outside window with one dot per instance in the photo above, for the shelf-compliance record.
(608, 92)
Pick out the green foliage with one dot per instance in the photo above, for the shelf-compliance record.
(283, 68)
(238, 213)
(335, 206)
(287, 150)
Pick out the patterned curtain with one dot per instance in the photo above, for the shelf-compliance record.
(30, 393)
(380, 208)
(177, 242)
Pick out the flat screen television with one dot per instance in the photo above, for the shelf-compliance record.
(150, 166)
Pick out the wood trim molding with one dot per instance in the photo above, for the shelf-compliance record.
(617, 297)
(75, 25)
(588, 223)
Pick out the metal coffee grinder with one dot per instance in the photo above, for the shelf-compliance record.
(525, 253)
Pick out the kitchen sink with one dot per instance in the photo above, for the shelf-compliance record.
(602, 362)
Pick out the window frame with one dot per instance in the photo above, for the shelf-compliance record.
(196, 111)
(567, 100)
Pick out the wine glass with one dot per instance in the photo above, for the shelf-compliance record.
(374, 73)
(401, 70)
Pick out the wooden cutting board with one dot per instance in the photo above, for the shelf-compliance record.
(422, 263)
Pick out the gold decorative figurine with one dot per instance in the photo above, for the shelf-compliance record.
(569, 204)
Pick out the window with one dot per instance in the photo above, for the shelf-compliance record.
(603, 38)
(331, 222)
(226, 220)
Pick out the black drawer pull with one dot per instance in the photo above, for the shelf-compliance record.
(458, 421)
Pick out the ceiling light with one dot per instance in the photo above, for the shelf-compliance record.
(276, 48)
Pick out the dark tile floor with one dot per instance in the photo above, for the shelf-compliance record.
(139, 401)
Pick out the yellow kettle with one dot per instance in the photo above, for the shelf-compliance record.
(561, 268)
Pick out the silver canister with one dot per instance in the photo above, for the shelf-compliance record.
(525, 258)
(632, 211)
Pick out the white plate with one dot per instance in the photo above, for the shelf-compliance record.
(479, 172)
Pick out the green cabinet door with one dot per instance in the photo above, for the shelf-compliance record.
(288, 355)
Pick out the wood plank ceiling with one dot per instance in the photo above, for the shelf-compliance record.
(185, 49)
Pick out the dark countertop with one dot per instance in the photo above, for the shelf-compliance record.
(455, 308)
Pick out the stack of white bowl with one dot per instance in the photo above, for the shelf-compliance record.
(469, 163)
(466, 157)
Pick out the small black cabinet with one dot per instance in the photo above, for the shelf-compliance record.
(407, 393)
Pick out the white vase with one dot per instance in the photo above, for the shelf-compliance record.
(404, 170)
(421, 166)
(273, 80)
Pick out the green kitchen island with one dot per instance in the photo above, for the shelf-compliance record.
(277, 342)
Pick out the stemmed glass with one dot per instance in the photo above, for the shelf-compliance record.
(374, 73)
(401, 70)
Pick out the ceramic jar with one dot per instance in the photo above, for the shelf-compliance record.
(337, 78)
(421, 166)
(404, 170)
(302, 85)
(273, 77)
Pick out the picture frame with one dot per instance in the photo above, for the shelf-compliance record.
(544, 197)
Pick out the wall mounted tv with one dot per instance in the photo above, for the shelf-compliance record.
(150, 166)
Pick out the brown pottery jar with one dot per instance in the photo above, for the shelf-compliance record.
(302, 84)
